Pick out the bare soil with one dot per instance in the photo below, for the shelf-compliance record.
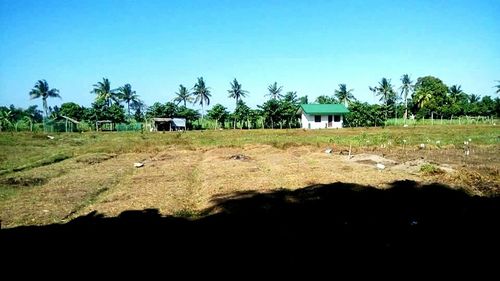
(180, 181)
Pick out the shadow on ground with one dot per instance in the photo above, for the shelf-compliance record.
(314, 225)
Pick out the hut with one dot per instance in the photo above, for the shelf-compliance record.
(168, 124)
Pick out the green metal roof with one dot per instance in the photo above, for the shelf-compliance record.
(323, 109)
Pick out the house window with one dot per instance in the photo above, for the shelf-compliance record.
(336, 118)
(317, 118)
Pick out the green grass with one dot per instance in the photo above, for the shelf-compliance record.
(430, 169)
(23, 151)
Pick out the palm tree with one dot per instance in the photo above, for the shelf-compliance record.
(127, 95)
(423, 97)
(406, 87)
(183, 96)
(42, 90)
(344, 96)
(385, 91)
(498, 87)
(455, 93)
(274, 91)
(474, 98)
(201, 93)
(104, 92)
(236, 92)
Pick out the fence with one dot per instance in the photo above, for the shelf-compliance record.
(461, 120)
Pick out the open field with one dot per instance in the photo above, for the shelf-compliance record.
(44, 181)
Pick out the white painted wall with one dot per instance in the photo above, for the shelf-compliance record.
(307, 120)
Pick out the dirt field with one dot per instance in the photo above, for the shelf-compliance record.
(183, 181)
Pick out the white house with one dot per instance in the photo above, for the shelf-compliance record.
(321, 116)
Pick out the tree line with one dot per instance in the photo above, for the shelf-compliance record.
(427, 97)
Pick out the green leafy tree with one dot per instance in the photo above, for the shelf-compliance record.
(456, 93)
(71, 110)
(116, 113)
(189, 114)
(457, 101)
(158, 110)
(241, 113)
(170, 109)
(406, 88)
(364, 115)
(271, 111)
(498, 87)
(474, 98)
(183, 95)
(34, 113)
(386, 92)
(139, 108)
(202, 94)
(344, 96)
(103, 92)
(274, 91)
(303, 100)
(218, 113)
(5, 119)
(236, 92)
(42, 90)
(289, 106)
(324, 99)
(54, 112)
(430, 96)
(126, 94)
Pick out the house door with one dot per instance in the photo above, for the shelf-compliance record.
(330, 119)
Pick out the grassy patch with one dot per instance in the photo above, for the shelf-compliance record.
(7, 191)
(186, 213)
(43, 162)
(430, 169)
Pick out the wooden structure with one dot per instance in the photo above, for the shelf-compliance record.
(69, 123)
(106, 125)
(168, 124)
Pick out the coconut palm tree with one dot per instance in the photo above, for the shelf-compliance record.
(423, 97)
(343, 95)
(126, 94)
(274, 91)
(406, 88)
(498, 87)
(183, 95)
(474, 98)
(201, 93)
(42, 90)
(236, 92)
(455, 93)
(386, 92)
(104, 92)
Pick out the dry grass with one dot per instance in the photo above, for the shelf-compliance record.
(184, 173)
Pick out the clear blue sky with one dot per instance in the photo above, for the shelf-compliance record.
(306, 46)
